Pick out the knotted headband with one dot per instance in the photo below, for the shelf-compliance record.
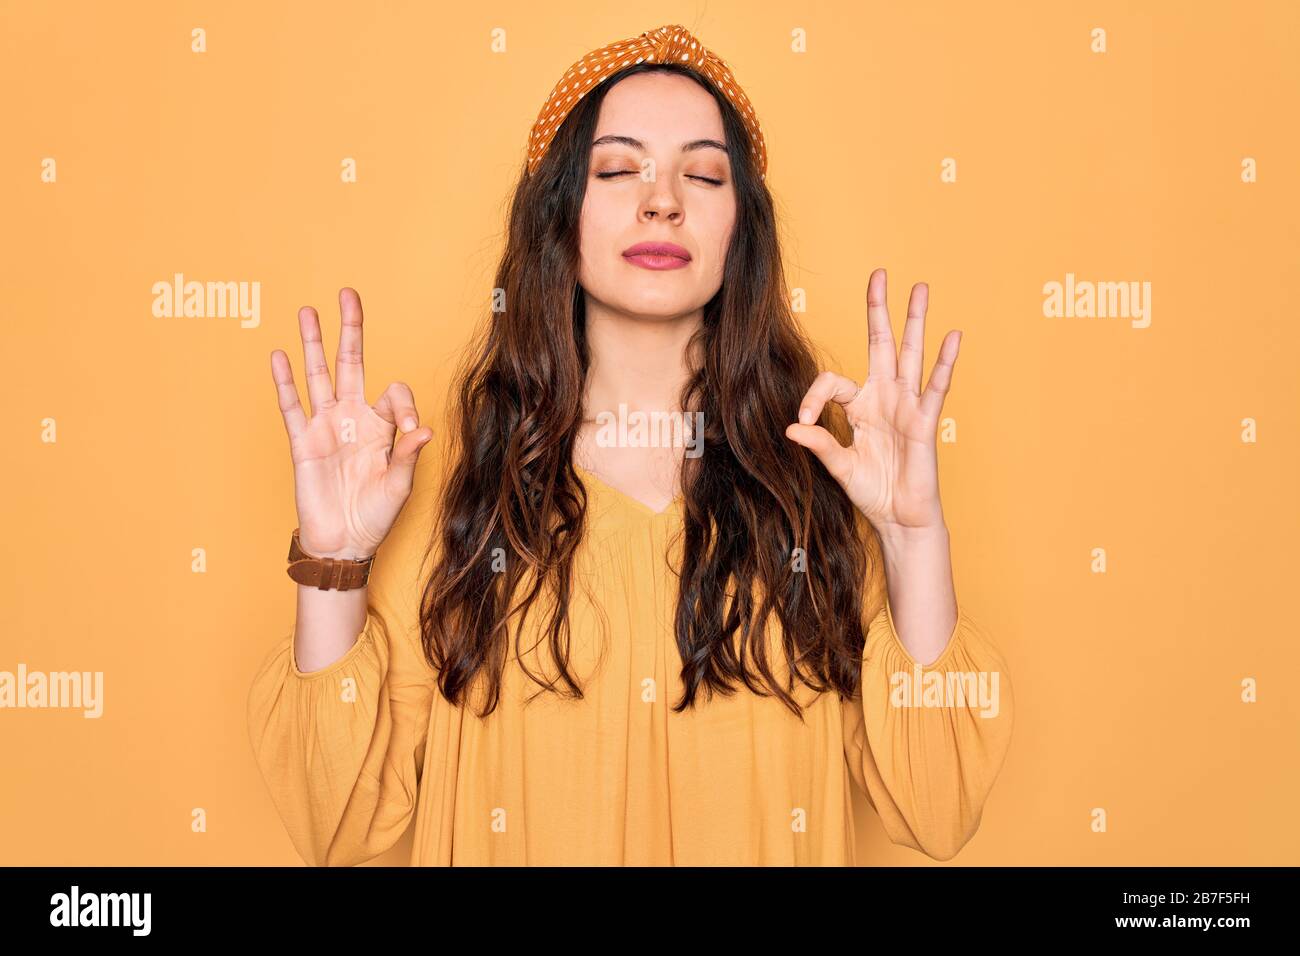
(668, 44)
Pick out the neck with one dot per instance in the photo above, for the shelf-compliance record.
(635, 361)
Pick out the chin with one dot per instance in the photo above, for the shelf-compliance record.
(652, 306)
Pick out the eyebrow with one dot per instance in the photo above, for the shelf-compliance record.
(694, 144)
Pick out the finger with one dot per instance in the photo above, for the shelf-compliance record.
(349, 370)
(320, 391)
(880, 337)
(826, 387)
(397, 407)
(400, 475)
(911, 356)
(941, 375)
(291, 410)
(837, 459)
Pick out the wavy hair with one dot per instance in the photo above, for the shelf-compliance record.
(750, 500)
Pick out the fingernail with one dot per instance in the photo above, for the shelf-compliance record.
(409, 424)
(805, 416)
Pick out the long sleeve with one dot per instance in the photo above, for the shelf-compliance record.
(925, 744)
(341, 749)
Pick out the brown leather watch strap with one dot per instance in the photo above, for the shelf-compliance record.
(342, 574)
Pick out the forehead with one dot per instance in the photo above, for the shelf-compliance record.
(661, 107)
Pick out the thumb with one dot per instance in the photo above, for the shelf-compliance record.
(401, 466)
(834, 456)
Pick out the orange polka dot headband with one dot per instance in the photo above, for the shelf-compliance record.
(668, 44)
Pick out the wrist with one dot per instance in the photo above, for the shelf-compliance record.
(897, 538)
(349, 552)
(345, 553)
(344, 569)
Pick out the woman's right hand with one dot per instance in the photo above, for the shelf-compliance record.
(350, 480)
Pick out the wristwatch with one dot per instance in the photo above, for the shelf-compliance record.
(341, 574)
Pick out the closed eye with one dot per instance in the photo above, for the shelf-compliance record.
(632, 172)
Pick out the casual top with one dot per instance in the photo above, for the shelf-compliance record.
(350, 752)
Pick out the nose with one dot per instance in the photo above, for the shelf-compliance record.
(661, 203)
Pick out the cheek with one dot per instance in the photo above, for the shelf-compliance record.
(722, 230)
(596, 230)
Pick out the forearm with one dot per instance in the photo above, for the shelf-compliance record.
(922, 599)
(327, 626)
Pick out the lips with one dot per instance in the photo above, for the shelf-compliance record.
(657, 255)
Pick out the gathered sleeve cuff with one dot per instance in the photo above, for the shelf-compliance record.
(926, 743)
(341, 748)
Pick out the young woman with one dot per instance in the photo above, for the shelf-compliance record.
(585, 649)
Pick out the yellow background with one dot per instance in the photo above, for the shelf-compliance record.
(1073, 433)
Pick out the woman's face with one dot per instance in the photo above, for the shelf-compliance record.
(684, 196)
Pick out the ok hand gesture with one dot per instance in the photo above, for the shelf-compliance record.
(890, 472)
(350, 480)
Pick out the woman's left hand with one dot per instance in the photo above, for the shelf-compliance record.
(890, 472)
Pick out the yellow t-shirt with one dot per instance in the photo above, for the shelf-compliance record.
(350, 752)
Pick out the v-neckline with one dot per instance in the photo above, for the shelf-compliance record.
(636, 503)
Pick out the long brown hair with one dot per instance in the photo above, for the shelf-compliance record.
(750, 500)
